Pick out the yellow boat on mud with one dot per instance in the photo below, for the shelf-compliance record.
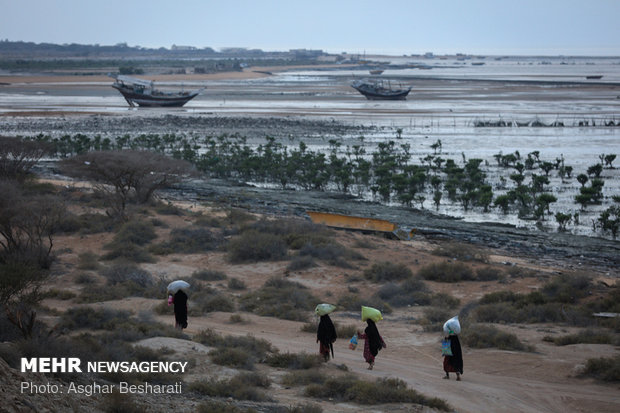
(360, 224)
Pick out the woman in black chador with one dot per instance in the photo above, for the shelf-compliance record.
(453, 363)
(326, 335)
(180, 310)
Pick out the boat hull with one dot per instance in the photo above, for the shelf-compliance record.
(143, 100)
(399, 95)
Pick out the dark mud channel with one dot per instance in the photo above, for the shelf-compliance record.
(560, 249)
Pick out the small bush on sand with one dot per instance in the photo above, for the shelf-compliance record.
(210, 300)
(483, 336)
(331, 253)
(303, 378)
(120, 403)
(489, 274)
(236, 284)
(447, 272)
(604, 368)
(120, 273)
(385, 390)
(256, 347)
(293, 361)
(462, 252)
(209, 275)
(588, 336)
(190, 241)
(301, 262)
(135, 232)
(253, 246)
(232, 357)
(88, 261)
(216, 406)
(128, 252)
(387, 271)
(280, 298)
(244, 386)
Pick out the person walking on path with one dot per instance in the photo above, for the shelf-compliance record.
(326, 336)
(373, 342)
(453, 363)
(180, 309)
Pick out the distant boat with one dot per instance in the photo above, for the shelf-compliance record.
(477, 63)
(380, 90)
(143, 93)
(376, 71)
(594, 77)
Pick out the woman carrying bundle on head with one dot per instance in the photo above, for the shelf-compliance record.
(453, 355)
(326, 335)
(373, 342)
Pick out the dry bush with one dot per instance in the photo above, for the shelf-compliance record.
(293, 361)
(387, 271)
(189, 241)
(449, 272)
(244, 386)
(461, 251)
(209, 275)
(484, 336)
(280, 298)
(604, 368)
(254, 246)
(18, 157)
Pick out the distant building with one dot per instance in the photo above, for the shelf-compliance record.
(306, 53)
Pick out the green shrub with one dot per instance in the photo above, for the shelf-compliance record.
(190, 241)
(385, 390)
(489, 274)
(253, 246)
(88, 261)
(168, 209)
(387, 271)
(133, 232)
(116, 402)
(280, 298)
(299, 263)
(236, 284)
(232, 357)
(244, 386)
(587, 336)
(481, 336)
(330, 252)
(604, 368)
(209, 275)
(461, 251)
(59, 294)
(209, 300)
(128, 252)
(215, 406)
(447, 272)
(303, 378)
(84, 278)
(257, 348)
(120, 273)
(567, 288)
(293, 361)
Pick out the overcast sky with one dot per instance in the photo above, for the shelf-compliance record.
(549, 27)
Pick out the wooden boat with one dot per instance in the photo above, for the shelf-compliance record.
(380, 90)
(143, 93)
(376, 71)
(594, 77)
(360, 224)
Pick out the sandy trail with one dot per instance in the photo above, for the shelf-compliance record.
(493, 381)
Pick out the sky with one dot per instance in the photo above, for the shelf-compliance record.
(393, 27)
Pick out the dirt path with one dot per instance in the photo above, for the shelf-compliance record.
(494, 381)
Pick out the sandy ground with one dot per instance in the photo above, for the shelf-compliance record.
(493, 380)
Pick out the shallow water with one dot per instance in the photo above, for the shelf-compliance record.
(444, 104)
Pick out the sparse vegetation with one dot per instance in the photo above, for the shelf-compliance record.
(604, 368)
(449, 272)
(280, 298)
